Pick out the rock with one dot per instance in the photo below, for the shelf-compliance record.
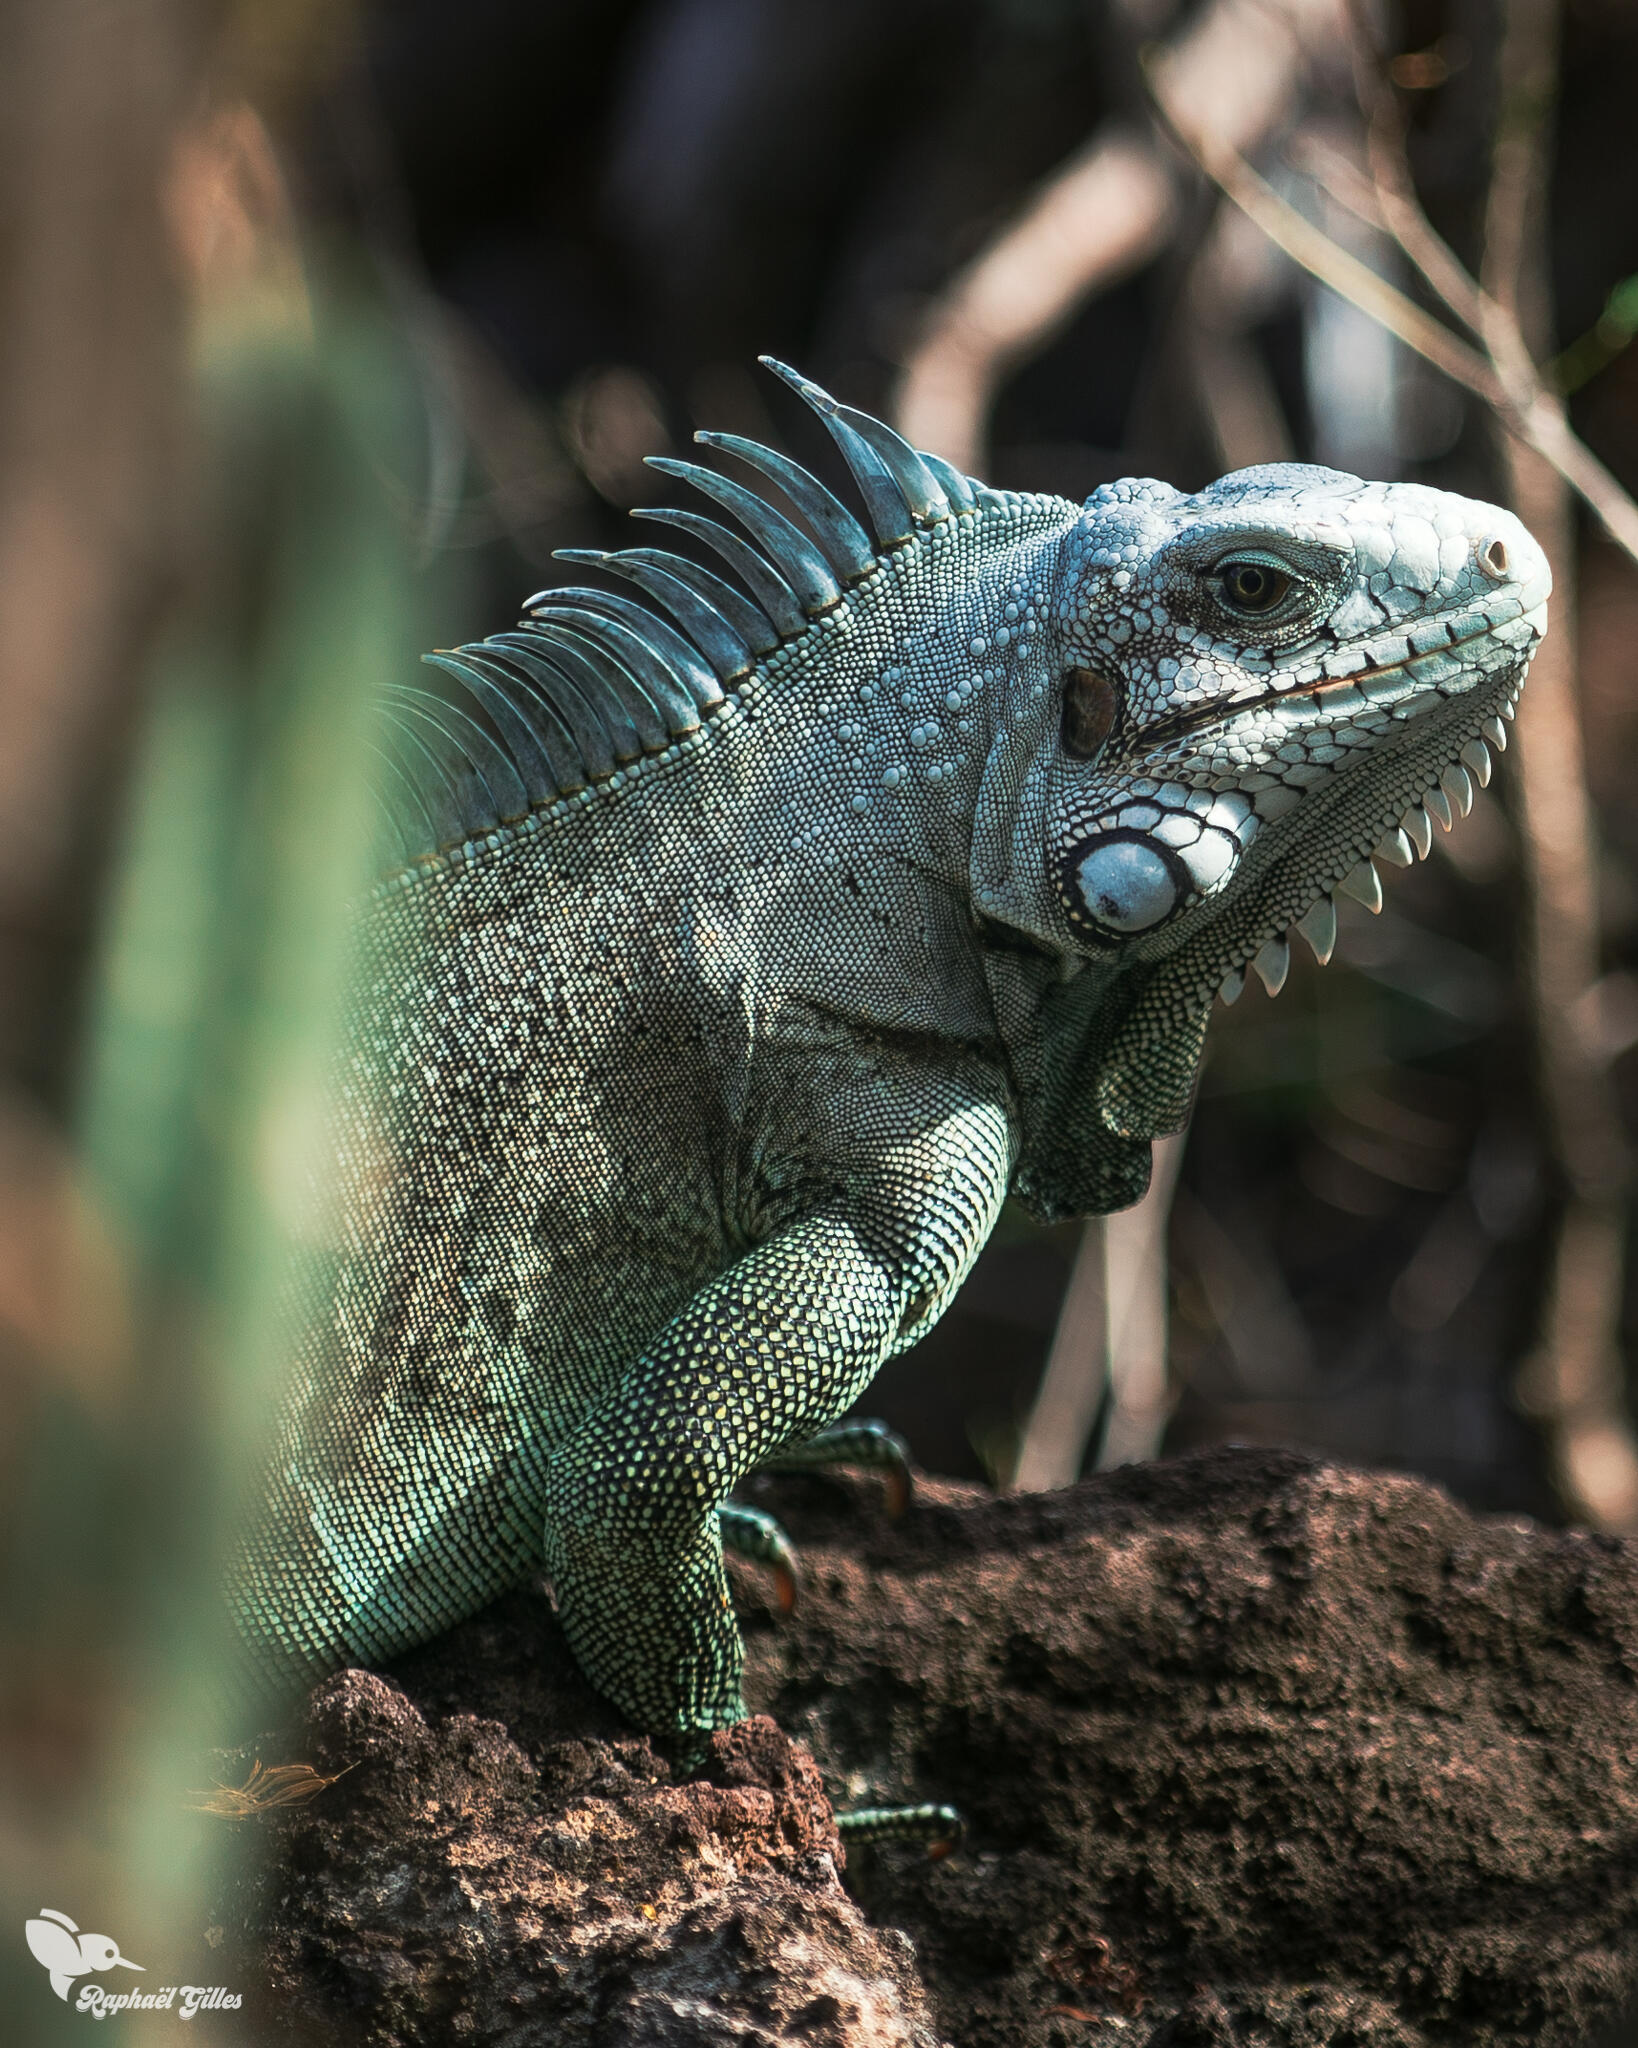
(541, 1877)
(1253, 1750)
(1286, 1753)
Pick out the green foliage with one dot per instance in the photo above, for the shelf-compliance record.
(224, 959)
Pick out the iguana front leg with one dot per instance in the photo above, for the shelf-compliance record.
(762, 1358)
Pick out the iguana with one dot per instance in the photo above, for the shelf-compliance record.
(748, 941)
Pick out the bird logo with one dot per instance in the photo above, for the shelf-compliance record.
(57, 1945)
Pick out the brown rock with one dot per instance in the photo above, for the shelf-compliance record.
(1313, 1755)
(542, 1878)
(1253, 1751)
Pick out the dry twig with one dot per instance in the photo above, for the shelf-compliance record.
(267, 1786)
(1502, 372)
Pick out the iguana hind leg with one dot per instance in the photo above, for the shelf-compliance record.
(755, 1535)
(940, 1827)
(751, 1534)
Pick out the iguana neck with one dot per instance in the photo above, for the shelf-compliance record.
(881, 732)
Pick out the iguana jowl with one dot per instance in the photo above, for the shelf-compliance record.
(749, 945)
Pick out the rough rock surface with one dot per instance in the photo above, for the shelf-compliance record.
(1254, 1751)
(530, 1873)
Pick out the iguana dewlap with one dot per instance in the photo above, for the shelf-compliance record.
(748, 943)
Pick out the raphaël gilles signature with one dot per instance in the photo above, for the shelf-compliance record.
(59, 1947)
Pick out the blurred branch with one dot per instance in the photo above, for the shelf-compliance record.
(1610, 335)
(1111, 1335)
(1107, 212)
(1502, 373)
(1247, 1294)
(93, 529)
(1076, 1375)
(91, 457)
(1104, 215)
(1140, 1390)
(1573, 1382)
(1228, 286)
(1333, 265)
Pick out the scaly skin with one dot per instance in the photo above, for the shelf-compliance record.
(674, 1107)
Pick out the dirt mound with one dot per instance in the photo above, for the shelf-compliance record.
(1253, 1750)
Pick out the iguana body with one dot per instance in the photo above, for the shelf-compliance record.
(688, 1076)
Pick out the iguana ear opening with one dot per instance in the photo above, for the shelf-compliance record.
(1112, 1076)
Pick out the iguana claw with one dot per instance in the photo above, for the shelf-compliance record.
(749, 1533)
(940, 1827)
(856, 1441)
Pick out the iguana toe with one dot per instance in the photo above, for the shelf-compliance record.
(749, 1533)
(857, 1441)
(940, 1827)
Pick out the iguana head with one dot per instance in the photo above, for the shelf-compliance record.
(1263, 685)
(1250, 693)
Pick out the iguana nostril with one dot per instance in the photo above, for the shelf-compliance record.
(1494, 559)
(1127, 885)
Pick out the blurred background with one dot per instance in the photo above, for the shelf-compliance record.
(323, 326)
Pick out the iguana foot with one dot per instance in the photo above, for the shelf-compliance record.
(940, 1827)
(749, 1533)
(854, 1441)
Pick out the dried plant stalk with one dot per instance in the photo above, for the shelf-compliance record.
(1111, 1333)
(1573, 1381)
(267, 1786)
(1503, 373)
(1066, 1406)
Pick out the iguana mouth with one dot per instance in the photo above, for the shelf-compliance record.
(1148, 861)
(1376, 681)
(1442, 794)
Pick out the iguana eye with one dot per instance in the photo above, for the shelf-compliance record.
(1091, 706)
(1252, 586)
